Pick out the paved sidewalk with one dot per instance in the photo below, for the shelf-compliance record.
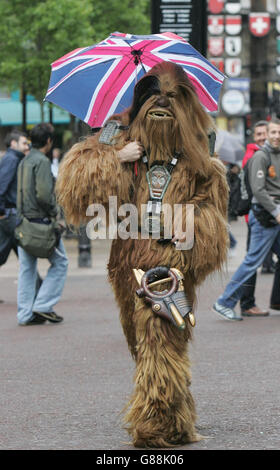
(64, 386)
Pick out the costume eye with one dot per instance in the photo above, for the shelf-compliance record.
(171, 94)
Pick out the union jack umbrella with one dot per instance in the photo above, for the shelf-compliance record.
(95, 82)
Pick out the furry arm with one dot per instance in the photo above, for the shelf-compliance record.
(89, 173)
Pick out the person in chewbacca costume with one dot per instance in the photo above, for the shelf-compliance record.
(165, 119)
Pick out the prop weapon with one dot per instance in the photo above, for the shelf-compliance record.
(171, 304)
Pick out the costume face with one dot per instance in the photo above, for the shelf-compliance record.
(166, 115)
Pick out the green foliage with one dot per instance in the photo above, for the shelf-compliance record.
(34, 33)
(125, 16)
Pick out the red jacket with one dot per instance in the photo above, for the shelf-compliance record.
(250, 150)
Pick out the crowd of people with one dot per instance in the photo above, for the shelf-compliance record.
(34, 199)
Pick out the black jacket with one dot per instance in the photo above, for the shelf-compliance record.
(8, 179)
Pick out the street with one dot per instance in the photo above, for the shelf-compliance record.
(64, 386)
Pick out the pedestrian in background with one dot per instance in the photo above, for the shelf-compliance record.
(259, 138)
(56, 157)
(233, 170)
(264, 176)
(38, 202)
(17, 145)
(234, 192)
(248, 300)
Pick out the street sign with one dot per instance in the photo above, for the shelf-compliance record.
(215, 6)
(259, 24)
(233, 24)
(216, 46)
(233, 45)
(233, 67)
(215, 24)
(233, 102)
(233, 6)
(184, 18)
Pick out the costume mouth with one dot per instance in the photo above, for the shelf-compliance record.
(159, 114)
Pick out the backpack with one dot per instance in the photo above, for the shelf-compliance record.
(246, 195)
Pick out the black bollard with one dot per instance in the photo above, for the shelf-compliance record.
(84, 260)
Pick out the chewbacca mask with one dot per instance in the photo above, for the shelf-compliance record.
(167, 118)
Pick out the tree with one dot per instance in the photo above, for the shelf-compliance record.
(126, 16)
(36, 33)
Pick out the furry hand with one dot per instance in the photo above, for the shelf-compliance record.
(131, 152)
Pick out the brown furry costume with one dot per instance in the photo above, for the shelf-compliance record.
(161, 411)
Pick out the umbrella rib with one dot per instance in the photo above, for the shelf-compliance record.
(108, 91)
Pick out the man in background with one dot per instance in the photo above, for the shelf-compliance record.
(37, 202)
(248, 301)
(18, 146)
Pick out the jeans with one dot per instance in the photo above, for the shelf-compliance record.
(262, 240)
(51, 288)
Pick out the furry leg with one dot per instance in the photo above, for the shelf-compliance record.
(161, 411)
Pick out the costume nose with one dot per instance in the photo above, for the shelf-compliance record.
(163, 101)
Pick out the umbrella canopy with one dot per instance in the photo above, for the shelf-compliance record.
(95, 82)
(229, 147)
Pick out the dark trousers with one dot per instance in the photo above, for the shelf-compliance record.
(8, 242)
(275, 293)
(268, 262)
(247, 299)
(7, 239)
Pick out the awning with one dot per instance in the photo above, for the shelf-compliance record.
(11, 113)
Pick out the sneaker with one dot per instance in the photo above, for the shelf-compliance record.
(226, 312)
(50, 316)
(35, 320)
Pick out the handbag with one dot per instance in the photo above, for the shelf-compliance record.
(38, 238)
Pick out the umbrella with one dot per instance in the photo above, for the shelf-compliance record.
(95, 82)
(229, 147)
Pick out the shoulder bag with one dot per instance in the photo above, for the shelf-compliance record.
(38, 238)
